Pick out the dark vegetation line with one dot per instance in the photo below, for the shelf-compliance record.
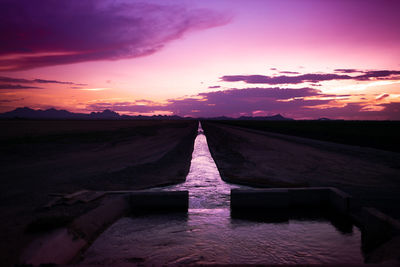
(375, 134)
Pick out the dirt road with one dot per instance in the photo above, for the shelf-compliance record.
(272, 160)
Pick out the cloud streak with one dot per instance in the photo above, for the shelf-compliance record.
(9, 83)
(312, 77)
(382, 96)
(17, 87)
(63, 32)
(19, 80)
(284, 79)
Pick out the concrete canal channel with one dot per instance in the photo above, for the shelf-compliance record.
(208, 234)
(207, 221)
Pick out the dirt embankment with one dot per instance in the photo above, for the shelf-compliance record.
(252, 157)
(42, 157)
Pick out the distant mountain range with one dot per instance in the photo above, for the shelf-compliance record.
(28, 113)
(277, 117)
(48, 114)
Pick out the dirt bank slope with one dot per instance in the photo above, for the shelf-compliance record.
(256, 158)
(42, 157)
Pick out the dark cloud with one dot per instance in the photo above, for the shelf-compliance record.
(52, 32)
(16, 87)
(283, 79)
(368, 74)
(391, 111)
(232, 102)
(347, 70)
(348, 111)
(10, 100)
(274, 93)
(376, 74)
(214, 87)
(19, 80)
(58, 82)
(285, 72)
(311, 77)
(127, 106)
(355, 111)
(289, 72)
(239, 102)
(235, 102)
(14, 80)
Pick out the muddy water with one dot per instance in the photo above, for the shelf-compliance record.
(207, 234)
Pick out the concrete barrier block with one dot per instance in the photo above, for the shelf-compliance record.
(261, 198)
(91, 224)
(386, 253)
(61, 246)
(56, 247)
(377, 227)
(309, 197)
(339, 200)
(160, 201)
(376, 221)
(355, 204)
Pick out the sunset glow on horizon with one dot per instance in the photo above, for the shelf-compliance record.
(304, 59)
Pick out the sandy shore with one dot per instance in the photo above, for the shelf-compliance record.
(43, 157)
(268, 160)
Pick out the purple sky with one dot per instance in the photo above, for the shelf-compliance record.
(303, 59)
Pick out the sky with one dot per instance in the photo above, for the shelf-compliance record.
(304, 59)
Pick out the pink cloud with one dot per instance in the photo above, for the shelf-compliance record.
(383, 96)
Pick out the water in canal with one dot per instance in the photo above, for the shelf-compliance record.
(207, 234)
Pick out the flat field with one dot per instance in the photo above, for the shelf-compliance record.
(43, 157)
(376, 134)
(263, 159)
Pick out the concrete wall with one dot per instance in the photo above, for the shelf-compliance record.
(339, 200)
(278, 198)
(160, 201)
(62, 246)
(261, 198)
(309, 197)
(377, 226)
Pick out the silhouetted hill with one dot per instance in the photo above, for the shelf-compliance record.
(277, 117)
(324, 119)
(28, 113)
(105, 114)
(52, 113)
